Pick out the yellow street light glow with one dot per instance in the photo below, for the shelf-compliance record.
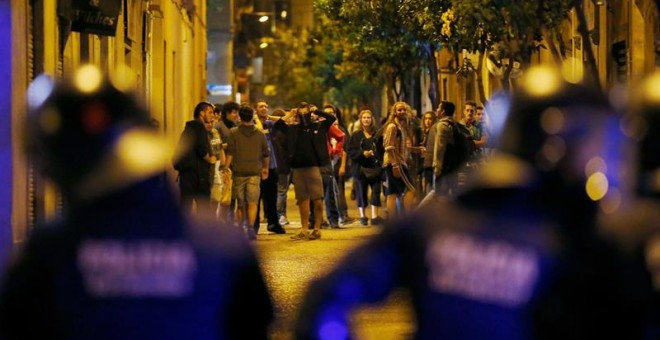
(141, 152)
(263, 45)
(651, 88)
(597, 186)
(541, 81)
(263, 18)
(284, 14)
(88, 78)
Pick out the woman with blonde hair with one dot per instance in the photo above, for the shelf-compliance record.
(367, 167)
(397, 142)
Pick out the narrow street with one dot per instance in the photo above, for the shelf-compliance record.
(289, 266)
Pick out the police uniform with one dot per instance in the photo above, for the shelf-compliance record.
(636, 228)
(123, 262)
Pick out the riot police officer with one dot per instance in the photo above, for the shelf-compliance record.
(636, 225)
(123, 263)
(516, 255)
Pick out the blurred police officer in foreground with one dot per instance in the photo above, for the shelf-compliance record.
(637, 227)
(514, 256)
(123, 263)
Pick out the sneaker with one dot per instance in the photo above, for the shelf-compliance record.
(299, 236)
(276, 228)
(377, 221)
(314, 235)
(347, 220)
(364, 221)
(283, 220)
(333, 225)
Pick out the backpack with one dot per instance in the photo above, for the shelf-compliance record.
(461, 151)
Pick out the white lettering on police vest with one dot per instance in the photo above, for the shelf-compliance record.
(150, 268)
(486, 271)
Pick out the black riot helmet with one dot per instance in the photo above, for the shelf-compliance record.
(647, 133)
(88, 136)
(569, 135)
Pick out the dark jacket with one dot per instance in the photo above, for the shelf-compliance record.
(356, 147)
(315, 132)
(195, 145)
(130, 266)
(280, 145)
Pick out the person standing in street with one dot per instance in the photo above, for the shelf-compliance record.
(283, 168)
(441, 135)
(228, 120)
(307, 150)
(367, 169)
(123, 261)
(248, 153)
(221, 186)
(339, 160)
(269, 185)
(196, 162)
(397, 141)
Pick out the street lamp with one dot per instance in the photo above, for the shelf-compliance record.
(262, 18)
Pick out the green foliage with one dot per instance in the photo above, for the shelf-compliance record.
(513, 27)
(293, 80)
(357, 46)
(376, 43)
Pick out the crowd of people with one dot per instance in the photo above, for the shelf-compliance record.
(234, 157)
(519, 251)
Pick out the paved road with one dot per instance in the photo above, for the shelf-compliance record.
(290, 265)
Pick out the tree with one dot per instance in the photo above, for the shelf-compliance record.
(394, 39)
(293, 78)
(375, 42)
(504, 29)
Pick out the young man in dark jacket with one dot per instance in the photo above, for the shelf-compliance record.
(307, 149)
(196, 163)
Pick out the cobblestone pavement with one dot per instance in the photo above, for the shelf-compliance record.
(290, 265)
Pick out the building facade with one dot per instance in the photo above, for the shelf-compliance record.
(162, 43)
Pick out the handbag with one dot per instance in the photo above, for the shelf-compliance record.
(377, 169)
(371, 173)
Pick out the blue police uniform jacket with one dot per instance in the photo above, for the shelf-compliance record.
(496, 266)
(130, 266)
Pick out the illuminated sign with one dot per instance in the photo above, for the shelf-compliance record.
(219, 90)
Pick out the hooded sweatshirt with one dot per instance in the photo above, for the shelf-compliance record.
(248, 146)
